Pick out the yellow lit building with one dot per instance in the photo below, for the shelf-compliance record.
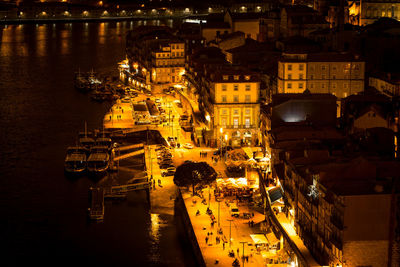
(168, 63)
(234, 106)
(335, 73)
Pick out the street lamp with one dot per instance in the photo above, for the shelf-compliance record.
(226, 141)
(221, 131)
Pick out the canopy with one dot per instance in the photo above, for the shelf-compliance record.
(272, 240)
(259, 239)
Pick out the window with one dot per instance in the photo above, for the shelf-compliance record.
(334, 85)
(236, 77)
(223, 122)
(235, 112)
(345, 85)
(311, 77)
(225, 77)
(247, 111)
(247, 77)
(323, 67)
(300, 76)
(322, 85)
(247, 87)
(301, 67)
(247, 122)
(235, 122)
(173, 54)
(235, 87)
(224, 99)
(224, 111)
(247, 98)
(224, 87)
(300, 85)
(289, 67)
(289, 86)
(289, 76)
(323, 77)
(236, 98)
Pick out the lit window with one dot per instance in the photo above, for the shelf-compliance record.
(236, 77)
(225, 77)
(247, 77)
(247, 111)
(224, 112)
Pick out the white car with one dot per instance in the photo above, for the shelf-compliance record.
(188, 146)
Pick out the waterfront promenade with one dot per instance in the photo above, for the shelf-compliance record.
(164, 192)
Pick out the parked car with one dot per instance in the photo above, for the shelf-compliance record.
(166, 166)
(168, 172)
(188, 146)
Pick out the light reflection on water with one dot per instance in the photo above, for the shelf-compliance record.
(43, 214)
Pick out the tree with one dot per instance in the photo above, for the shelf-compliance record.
(194, 173)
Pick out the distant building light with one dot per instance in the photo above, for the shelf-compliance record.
(196, 21)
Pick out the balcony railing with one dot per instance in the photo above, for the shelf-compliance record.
(239, 126)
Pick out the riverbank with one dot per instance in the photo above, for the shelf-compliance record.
(72, 20)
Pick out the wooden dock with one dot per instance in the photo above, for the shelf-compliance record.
(96, 198)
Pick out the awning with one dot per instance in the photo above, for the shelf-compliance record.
(259, 239)
(272, 240)
(275, 194)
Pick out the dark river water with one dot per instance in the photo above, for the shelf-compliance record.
(42, 213)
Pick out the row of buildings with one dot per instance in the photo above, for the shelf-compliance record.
(327, 117)
(339, 189)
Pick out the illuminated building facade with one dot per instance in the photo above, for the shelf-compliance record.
(335, 73)
(156, 55)
(233, 105)
(366, 12)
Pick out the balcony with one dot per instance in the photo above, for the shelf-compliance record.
(239, 126)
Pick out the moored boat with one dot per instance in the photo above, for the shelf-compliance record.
(75, 159)
(99, 159)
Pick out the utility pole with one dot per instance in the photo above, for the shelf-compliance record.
(230, 232)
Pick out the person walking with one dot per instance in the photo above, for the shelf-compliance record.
(223, 245)
(206, 239)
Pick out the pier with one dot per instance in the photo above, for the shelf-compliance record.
(96, 210)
